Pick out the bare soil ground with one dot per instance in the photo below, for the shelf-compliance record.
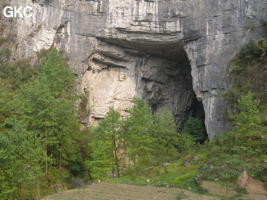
(254, 188)
(113, 191)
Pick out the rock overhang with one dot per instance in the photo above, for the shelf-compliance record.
(169, 49)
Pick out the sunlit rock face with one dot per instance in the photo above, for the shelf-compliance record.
(169, 52)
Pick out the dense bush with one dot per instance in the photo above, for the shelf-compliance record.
(195, 127)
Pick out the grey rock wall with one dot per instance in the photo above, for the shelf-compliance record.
(123, 48)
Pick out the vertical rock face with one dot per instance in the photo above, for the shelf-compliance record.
(170, 52)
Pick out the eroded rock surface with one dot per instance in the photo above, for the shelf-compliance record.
(123, 48)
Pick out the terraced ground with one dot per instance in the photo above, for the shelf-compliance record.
(113, 191)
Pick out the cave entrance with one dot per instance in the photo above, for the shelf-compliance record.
(197, 109)
(197, 112)
(161, 71)
(166, 81)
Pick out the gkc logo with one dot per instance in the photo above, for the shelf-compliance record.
(21, 12)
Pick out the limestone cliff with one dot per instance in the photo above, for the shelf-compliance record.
(172, 53)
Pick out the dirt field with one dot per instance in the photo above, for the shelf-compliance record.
(112, 191)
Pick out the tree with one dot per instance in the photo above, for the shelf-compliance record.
(138, 135)
(135, 143)
(105, 147)
(47, 107)
(4, 110)
(55, 73)
(39, 129)
(248, 120)
(150, 140)
(165, 132)
(21, 157)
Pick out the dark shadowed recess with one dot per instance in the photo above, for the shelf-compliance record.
(181, 99)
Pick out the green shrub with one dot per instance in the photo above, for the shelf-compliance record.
(195, 127)
(248, 120)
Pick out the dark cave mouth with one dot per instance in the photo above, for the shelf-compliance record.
(178, 88)
(194, 109)
(197, 112)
